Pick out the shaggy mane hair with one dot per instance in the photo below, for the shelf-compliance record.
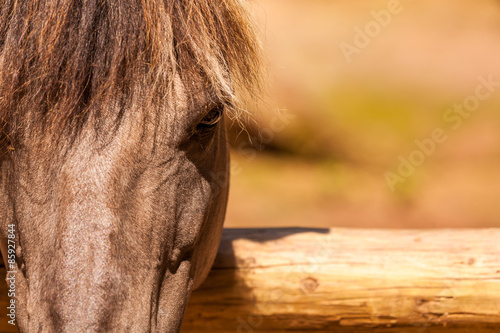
(62, 62)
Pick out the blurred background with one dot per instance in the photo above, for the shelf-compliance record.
(361, 123)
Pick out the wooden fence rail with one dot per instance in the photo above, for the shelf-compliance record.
(351, 280)
(347, 280)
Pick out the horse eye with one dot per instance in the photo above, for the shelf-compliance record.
(212, 117)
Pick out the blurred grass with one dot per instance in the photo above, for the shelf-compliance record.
(354, 121)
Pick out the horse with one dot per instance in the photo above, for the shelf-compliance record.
(114, 155)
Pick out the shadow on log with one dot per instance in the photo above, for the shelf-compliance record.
(351, 280)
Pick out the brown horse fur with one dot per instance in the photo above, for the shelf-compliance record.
(114, 167)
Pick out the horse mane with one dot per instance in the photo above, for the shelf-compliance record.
(63, 61)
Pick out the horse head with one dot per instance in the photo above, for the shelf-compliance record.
(114, 155)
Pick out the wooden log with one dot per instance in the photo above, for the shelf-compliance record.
(351, 280)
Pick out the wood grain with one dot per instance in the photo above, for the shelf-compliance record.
(351, 280)
(347, 280)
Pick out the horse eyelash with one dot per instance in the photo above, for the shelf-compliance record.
(212, 118)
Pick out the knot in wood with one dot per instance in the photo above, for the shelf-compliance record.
(309, 284)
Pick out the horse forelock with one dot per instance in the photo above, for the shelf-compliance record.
(64, 62)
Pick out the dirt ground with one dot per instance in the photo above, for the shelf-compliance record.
(278, 192)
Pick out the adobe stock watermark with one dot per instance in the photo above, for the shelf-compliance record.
(454, 118)
(11, 273)
(372, 29)
(265, 135)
